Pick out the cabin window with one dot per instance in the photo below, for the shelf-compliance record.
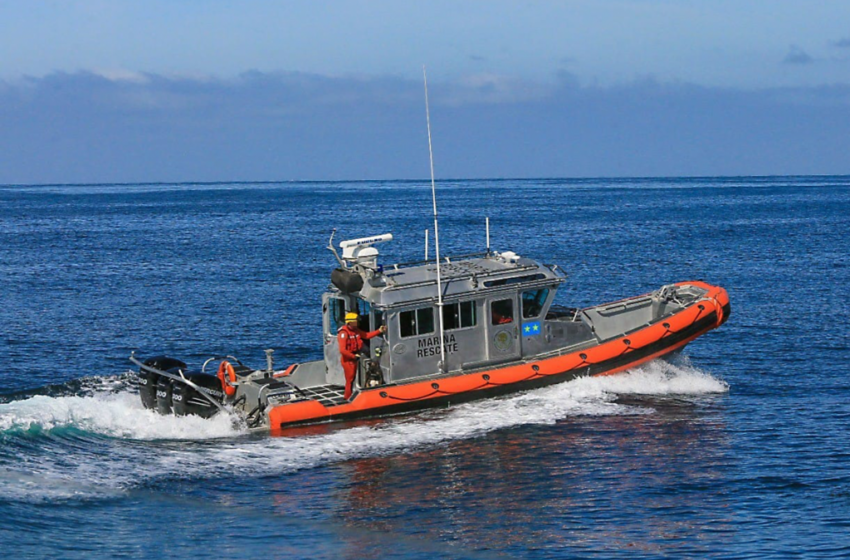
(416, 322)
(514, 280)
(533, 301)
(336, 314)
(379, 320)
(459, 315)
(502, 311)
(364, 310)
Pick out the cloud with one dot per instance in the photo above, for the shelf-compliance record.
(121, 75)
(85, 127)
(796, 55)
(491, 88)
(842, 43)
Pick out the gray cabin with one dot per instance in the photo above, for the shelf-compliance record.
(495, 308)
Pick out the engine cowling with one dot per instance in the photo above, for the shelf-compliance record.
(148, 381)
(188, 400)
(163, 395)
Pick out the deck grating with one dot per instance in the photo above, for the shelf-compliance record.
(328, 395)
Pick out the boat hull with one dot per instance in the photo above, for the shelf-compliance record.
(606, 358)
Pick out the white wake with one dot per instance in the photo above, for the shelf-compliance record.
(119, 415)
(143, 446)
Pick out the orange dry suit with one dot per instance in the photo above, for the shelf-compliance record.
(350, 342)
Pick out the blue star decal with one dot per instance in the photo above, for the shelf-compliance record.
(531, 328)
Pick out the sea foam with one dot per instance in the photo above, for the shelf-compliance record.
(140, 446)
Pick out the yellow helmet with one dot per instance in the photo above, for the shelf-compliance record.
(349, 317)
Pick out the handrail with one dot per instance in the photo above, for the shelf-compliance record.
(418, 263)
(467, 274)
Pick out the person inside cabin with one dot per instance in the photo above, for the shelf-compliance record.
(502, 312)
(351, 339)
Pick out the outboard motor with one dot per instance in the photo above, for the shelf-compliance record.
(163, 395)
(148, 381)
(187, 400)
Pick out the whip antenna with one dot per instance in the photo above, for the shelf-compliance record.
(436, 226)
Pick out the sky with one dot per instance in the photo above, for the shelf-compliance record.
(212, 90)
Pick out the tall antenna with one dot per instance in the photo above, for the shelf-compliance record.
(436, 226)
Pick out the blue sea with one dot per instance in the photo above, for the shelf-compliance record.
(739, 448)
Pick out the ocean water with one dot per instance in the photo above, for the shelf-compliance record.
(739, 448)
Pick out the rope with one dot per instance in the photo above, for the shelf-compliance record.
(488, 383)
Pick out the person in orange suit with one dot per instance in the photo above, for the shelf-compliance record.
(351, 339)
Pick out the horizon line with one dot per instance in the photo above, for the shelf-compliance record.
(423, 180)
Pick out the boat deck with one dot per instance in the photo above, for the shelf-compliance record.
(328, 395)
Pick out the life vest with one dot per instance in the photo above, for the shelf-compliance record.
(349, 339)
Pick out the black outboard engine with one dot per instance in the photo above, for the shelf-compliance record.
(187, 400)
(149, 381)
(163, 394)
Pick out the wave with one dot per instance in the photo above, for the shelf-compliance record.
(80, 387)
(136, 446)
(118, 415)
(659, 378)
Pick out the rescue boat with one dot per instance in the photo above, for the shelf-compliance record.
(471, 327)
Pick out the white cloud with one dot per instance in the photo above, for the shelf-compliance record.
(121, 75)
(87, 127)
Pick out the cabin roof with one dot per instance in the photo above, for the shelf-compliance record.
(448, 270)
(410, 285)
